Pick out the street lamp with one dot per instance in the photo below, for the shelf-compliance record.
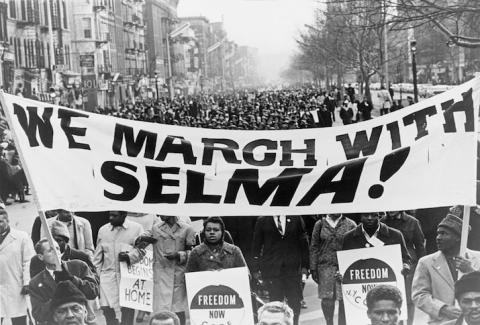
(156, 85)
(413, 49)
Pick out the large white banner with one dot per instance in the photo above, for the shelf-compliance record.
(219, 297)
(421, 156)
(362, 270)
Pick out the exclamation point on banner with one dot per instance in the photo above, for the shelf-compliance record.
(391, 164)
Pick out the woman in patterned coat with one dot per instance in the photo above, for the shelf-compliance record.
(327, 239)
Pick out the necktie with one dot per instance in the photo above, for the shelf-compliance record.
(279, 226)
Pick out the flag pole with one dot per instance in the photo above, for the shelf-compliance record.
(41, 213)
(465, 229)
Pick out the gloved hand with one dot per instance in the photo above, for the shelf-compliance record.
(25, 290)
(172, 256)
(143, 241)
(63, 275)
(123, 257)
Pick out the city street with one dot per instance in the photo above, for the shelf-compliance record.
(22, 216)
(207, 108)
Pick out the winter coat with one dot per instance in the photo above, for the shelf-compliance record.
(110, 242)
(15, 253)
(346, 114)
(169, 291)
(202, 259)
(326, 241)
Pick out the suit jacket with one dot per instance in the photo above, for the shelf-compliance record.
(276, 255)
(433, 285)
(82, 234)
(355, 239)
(42, 288)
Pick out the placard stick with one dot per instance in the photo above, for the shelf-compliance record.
(465, 229)
(41, 213)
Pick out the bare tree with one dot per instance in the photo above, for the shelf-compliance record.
(457, 20)
(340, 41)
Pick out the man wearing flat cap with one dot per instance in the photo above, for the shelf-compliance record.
(68, 305)
(433, 283)
(467, 293)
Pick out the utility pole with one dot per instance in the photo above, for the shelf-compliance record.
(385, 45)
(52, 47)
(169, 65)
(413, 49)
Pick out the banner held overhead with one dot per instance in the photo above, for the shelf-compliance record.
(417, 157)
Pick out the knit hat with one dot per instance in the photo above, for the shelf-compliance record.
(470, 282)
(67, 292)
(453, 223)
(58, 228)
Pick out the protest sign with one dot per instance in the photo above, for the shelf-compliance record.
(420, 156)
(219, 297)
(363, 269)
(136, 284)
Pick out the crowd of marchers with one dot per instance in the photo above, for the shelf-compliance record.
(260, 110)
(279, 251)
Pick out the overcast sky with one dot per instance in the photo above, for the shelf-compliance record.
(269, 25)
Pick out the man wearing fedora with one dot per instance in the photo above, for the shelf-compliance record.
(433, 283)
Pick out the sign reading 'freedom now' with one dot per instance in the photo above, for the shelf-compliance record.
(420, 156)
(382, 267)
